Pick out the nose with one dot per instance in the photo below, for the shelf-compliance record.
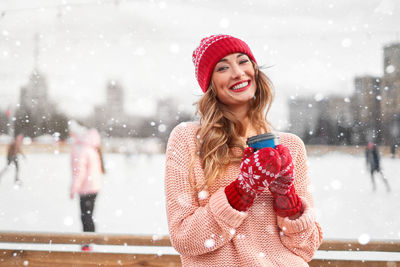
(237, 71)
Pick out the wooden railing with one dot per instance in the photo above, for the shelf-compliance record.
(49, 257)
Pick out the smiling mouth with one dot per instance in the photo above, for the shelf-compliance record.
(240, 86)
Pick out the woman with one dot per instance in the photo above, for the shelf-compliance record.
(226, 204)
(87, 169)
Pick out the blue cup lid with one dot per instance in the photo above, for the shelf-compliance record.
(260, 137)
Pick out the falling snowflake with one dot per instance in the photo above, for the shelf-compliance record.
(390, 69)
(162, 128)
(318, 97)
(346, 42)
(68, 221)
(203, 194)
(364, 239)
(209, 243)
(174, 48)
(336, 184)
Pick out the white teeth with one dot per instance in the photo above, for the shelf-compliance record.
(240, 85)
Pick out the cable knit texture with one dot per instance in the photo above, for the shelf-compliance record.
(207, 231)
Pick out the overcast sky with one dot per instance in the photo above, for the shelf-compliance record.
(312, 46)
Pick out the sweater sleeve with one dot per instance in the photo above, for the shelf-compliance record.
(194, 229)
(302, 236)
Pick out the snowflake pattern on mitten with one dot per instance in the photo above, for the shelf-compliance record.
(285, 178)
(259, 170)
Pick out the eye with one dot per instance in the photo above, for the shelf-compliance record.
(221, 68)
(243, 61)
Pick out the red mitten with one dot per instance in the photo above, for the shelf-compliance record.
(287, 167)
(286, 201)
(257, 171)
(287, 205)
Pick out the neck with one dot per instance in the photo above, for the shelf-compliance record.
(241, 114)
(248, 128)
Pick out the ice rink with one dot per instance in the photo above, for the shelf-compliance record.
(132, 197)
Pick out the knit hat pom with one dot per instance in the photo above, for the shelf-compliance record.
(202, 45)
(210, 50)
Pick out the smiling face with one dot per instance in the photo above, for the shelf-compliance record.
(233, 79)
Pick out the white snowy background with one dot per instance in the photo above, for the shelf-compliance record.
(314, 47)
(132, 198)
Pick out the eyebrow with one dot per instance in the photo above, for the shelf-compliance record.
(224, 59)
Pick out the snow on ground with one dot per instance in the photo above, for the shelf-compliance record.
(132, 198)
(345, 203)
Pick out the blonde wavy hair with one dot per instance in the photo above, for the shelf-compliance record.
(220, 130)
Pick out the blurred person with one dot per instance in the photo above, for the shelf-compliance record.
(393, 148)
(14, 149)
(87, 170)
(373, 163)
(228, 205)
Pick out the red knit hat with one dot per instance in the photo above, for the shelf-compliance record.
(211, 50)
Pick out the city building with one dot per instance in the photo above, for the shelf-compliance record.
(367, 107)
(110, 117)
(390, 104)
(371, 113)
(303, 116)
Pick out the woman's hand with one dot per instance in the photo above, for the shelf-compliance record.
(257, 171)
(286, 202)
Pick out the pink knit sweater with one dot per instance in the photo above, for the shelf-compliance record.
(207, 231)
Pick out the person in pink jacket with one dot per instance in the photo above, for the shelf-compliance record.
(87, 170)
(229, 204)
